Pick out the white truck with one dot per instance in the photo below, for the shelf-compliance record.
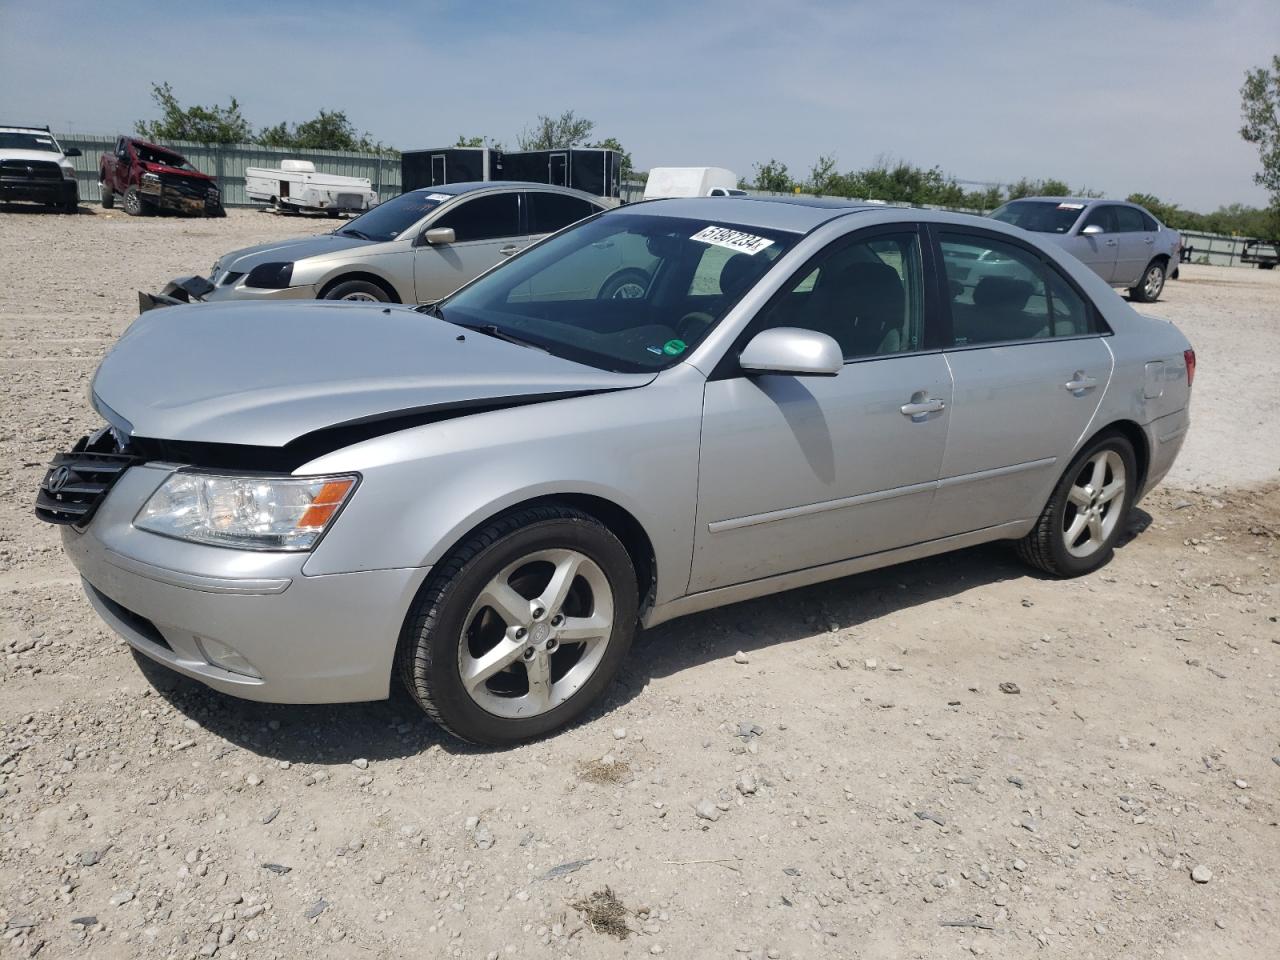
(297, 186)
(691, 182)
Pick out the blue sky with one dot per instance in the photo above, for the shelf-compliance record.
(1116, 95)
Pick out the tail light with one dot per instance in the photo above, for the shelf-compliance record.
(1190, 357)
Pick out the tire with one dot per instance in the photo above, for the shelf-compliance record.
(1151, 285)
(216, 213)
(357, 290)
(627, 284)
(450, 627)
(71, 206)
(134, 205)
(108, 198)
(1050, 546)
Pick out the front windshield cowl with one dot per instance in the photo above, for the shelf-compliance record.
(626, 291)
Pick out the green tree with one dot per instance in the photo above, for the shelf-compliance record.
(213, 124)
(1260, 106)
(773, 177)
(556, 133)
(823, 175)
(611, 143)
(469, 141)
(328, 130)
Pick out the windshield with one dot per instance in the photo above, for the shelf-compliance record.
(393, 217)
(162, 157)
(28, 141)
(1040, 216)
(625, 292)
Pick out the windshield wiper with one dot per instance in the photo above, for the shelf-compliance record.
(495, 331)
(431, 309)
(348, 232)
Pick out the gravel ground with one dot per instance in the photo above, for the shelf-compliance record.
(946, 758)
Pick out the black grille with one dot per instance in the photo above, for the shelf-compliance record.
(76, 483)
(30, 169)
(187, 187)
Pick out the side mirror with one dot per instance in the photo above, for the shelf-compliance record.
(440, 236)
(801, 353)
(1092, 230)
(71, 152)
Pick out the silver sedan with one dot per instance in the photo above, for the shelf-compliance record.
(415, 248)
(486, 497)
(1121, 242)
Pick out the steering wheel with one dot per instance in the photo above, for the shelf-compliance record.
(693, 325)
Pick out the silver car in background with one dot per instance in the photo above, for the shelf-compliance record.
(485, 497)
(414, 248)
(1121, 242)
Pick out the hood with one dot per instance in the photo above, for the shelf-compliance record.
(267, 374)
(44, 155)
(299, 248)
(176, 171)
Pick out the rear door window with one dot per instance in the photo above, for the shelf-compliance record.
(484, 218)
(549, 212)
(1128, 220)
(1001, 292)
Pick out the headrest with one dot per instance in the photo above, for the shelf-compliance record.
(1006, 293)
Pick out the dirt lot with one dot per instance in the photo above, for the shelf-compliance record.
(874, 793)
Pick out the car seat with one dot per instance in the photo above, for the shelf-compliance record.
(862, 308)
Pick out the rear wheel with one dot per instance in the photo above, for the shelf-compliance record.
(1151, 285)
(628, 284)
(1079, 526)
(361, 290)
(522, 627)
(134, 205)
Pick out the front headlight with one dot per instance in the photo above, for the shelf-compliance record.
(251, 513)
(270, 276)
(68, 172)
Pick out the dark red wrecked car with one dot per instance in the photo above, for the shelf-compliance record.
(150, 178)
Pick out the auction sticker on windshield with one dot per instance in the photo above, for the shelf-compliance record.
(439, 197)
(732, 239)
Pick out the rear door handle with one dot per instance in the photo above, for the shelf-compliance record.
(921, 406)
(508, 250)
(1111, 243)
(1079, 384)
(1150, 239)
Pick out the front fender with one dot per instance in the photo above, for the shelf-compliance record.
(424, 488)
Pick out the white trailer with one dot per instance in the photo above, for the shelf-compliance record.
(691, 182)
(297, 186)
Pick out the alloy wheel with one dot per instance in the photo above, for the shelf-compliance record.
(361, 296)
(536, 633)
(1094, 505)
(1153, 283)
(628, 291)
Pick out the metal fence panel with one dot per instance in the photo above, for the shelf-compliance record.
(227, 162)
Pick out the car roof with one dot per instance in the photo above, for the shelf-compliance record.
(1085, 201)
(469, 186)
(18, 128)
(796, 214)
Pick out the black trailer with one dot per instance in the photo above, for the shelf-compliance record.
(592, 170)
(588, 169)
(435, 168)
(1265, 255)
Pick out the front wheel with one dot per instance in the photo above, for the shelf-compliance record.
(1079, 526)
(108, 197)
(1151, 285)
(133, 203)
(628, 284)
(360, 290)
(522, 627)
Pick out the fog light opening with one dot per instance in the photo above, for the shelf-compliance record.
(227, 658)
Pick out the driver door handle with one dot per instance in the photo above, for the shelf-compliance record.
(508, 250)
(921, 406)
